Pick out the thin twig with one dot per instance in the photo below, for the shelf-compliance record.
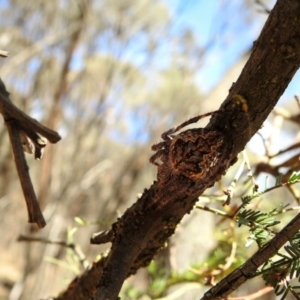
(34, 212)
(24, 135)
(76, 249)
(255, 295)
(230, 190)
(213, 210)
(250, 174)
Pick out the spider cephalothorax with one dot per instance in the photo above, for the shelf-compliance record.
(191, 153)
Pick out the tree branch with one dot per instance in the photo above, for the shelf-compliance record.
(236, 278)
(144, 228)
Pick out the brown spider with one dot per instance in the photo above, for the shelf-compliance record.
(191, 153)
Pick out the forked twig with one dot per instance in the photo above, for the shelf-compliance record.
(27, 123)
(24, 136)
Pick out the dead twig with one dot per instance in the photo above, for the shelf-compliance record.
(76, 249)
(102, 237)
(34, 212)
(24, 136)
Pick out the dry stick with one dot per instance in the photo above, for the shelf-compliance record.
(16, 122)
(76, 249)
(34, 212)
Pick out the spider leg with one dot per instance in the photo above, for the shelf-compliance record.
(158, 146)
(190, 121)
(160, 154)
(166, 136)
(164, 174)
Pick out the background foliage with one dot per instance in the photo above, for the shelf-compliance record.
(111, 76)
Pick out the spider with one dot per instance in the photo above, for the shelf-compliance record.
(191, 153)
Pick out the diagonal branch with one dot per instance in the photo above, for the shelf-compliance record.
(144, 228)
(236, 278)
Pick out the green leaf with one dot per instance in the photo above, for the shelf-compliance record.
(80, 221)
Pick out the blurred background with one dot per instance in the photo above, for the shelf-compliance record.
(110, 77)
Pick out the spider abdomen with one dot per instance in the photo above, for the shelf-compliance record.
(194, 152)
